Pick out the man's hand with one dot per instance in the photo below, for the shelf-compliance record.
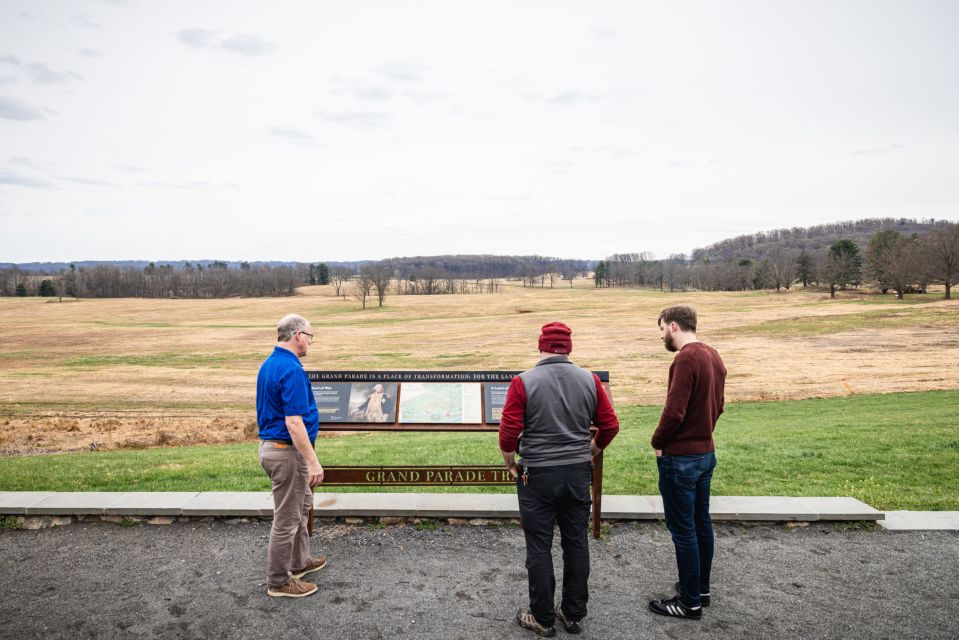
(659, 453)
(509, 459)
(315, 469)
(593, 449)
(294, 424)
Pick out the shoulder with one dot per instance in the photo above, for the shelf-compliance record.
(287, 369)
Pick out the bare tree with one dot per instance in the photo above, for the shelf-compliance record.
(362, 286)
(878, 254)
(902, 265)
(675, 272)
(830, 269)
(782, 268)
(942, 248)
(380, 275)
(338, 277)
(428, 282)
(894, 260)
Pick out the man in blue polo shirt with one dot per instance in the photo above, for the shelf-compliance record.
(288, 420)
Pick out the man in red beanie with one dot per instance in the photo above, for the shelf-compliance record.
(546, 418)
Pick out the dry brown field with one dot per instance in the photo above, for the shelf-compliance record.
(129, 373)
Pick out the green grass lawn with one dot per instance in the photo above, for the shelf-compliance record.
(895, 451)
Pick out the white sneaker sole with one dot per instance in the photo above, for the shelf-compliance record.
(282, 594)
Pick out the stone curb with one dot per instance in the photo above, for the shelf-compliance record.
(423, 505)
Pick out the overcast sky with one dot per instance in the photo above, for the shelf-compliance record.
(364, 130)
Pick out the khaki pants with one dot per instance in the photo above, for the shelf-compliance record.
(289, 539)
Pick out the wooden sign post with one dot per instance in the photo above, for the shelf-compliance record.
(448, 401)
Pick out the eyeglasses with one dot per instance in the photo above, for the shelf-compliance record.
(308, 335)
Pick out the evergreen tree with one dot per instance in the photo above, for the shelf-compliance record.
(322, 273)
(804, 267)
(21, 290)
(846, 254)
(601, 274)
(46, 289)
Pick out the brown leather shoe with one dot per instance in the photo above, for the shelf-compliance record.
(525, 619)
(295, 588)
(313, 564)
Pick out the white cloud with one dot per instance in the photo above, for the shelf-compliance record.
(242, 43)
(294, 135)
(13, 109)
(456, 124)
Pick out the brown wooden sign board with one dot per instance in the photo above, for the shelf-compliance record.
(427, 476)
(373, 401)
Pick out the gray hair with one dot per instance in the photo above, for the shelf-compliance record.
(289, 325)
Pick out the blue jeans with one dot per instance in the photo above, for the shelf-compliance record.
(684, 485)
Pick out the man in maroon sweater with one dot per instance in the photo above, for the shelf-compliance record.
(685, 456)
(546, 418)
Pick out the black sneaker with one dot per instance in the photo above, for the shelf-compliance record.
(703, 597)
(675, 607)
(569, 625)
(527, 620)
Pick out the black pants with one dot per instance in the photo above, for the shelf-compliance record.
(556, 495)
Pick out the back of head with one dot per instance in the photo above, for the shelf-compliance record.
(683, 316)
(289, 325)
(556, 337)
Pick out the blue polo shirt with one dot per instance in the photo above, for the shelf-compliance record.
(283, 389)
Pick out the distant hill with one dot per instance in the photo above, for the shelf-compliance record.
(461, 266)
(56, 267)
(756, 246)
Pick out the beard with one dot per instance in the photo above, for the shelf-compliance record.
(669, 343)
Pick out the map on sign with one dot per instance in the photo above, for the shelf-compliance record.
(440, 403)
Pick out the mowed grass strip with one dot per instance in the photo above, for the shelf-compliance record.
(933, 317)
(895, 451)
(165, 359)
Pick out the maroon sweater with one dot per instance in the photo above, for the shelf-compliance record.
(694, 401)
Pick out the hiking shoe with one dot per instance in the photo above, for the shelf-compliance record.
(527, 620)
(675, 607)
(569, 625)
(313, 564)
(703, 597)
(295, 588)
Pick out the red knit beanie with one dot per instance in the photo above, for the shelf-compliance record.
(556, 338)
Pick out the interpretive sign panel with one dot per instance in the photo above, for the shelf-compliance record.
(440, 403)
(412, 400)
(333, 401)
(358, 402)
(494, 397)
(423, 401)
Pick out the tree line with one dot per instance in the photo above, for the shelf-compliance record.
(432, 275)
(888, 259)
(216, 280)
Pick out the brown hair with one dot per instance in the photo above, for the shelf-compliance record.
(685, 317)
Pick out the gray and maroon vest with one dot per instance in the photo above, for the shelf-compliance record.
(560, 405)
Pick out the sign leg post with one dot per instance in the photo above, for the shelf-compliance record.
(309, 519)
(597, 494)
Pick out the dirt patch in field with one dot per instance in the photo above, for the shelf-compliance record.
(132, 373)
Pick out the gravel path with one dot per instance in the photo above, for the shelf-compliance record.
(206, 580)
